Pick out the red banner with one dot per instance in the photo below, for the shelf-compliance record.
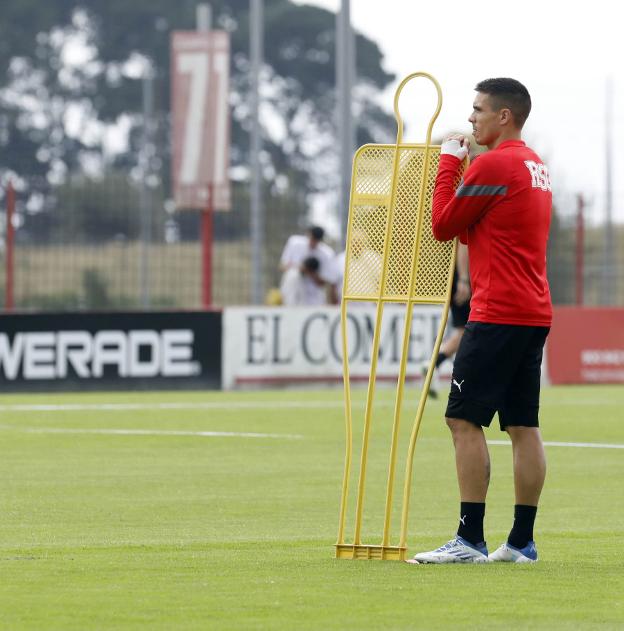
(586, 345)
(200, 63)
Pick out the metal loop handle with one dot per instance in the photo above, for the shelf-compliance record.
(397, 115)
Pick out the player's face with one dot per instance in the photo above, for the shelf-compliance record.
(485, 120)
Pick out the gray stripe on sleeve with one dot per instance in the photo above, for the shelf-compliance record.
(478, 189)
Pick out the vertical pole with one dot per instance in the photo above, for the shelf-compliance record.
(145, 193)
(203, 17)
(609, 271)
(580, 249)
(256, 46)
(345, 70)
(10, 248)
(207, 236)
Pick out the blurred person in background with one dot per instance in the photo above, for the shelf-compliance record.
(309, 262)
(460, 312)
(296, 288)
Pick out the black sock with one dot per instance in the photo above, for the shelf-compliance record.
(441, 358)
(522, 530)
(471, 522)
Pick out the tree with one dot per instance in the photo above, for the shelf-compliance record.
(74, 73)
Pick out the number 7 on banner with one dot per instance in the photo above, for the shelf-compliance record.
(200, 77)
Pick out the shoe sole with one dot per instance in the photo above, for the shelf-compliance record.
(423, 562)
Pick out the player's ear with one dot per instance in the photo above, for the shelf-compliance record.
(505, 116)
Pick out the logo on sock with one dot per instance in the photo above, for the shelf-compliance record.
(462, 520)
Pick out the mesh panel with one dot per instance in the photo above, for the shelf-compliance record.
(404, 223)
(373, 171)
(366, 250)
(369, 235)
(372, 188)
(433, 258)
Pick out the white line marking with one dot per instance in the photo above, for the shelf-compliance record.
(559, 444)
(216, 405)
(216, 434)
(209, 405)
(145, 432)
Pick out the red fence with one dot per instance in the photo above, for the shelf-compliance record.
(586, 345)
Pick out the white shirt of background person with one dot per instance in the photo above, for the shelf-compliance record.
(297, 289)
(297, 249)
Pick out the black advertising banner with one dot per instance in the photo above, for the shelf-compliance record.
(110, 351)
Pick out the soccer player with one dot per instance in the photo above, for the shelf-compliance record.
(460, 311)
(502, 211)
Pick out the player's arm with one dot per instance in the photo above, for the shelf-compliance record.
(456, 210)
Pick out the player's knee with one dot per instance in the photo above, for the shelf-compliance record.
(457, 425)
(462, 429)
(521, 433)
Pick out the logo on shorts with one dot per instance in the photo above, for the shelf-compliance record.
(458, 384)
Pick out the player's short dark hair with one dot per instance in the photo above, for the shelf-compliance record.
(311, 264)
(316, 232)
(508, 93)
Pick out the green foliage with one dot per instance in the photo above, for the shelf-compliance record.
(99, 210)
(95, 290)
(299, 58)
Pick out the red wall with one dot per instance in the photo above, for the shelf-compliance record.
(586, 345)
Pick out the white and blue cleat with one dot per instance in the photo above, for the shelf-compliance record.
(457, 550)
(507, 553)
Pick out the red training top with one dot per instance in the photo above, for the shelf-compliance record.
(502, 211)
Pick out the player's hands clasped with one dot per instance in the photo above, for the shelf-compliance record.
(456, 145)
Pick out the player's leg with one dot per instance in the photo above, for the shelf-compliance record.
(477, 388)
(529, 463)
(519, 418)
(472, 460)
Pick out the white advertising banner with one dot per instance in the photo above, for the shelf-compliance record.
(200, 64)
(282, 345)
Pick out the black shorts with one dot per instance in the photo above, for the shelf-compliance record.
(497, 369)
(459, 313)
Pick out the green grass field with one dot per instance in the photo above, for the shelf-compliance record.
(155, 526)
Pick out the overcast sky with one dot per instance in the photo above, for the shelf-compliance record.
(562, 51)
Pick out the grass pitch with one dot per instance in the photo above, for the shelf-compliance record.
(131, 511)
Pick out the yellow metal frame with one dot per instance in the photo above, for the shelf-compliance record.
(395, 211)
